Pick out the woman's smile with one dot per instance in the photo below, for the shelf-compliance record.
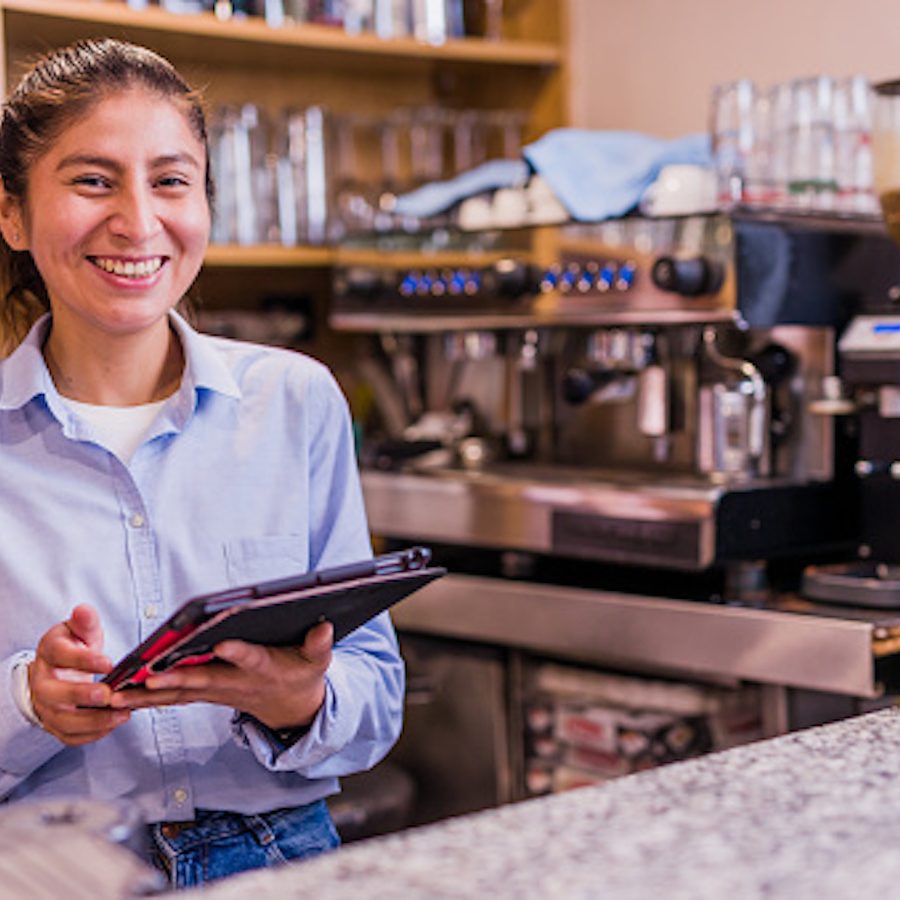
(131, 269)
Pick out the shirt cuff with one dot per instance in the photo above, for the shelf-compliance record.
(23, 747)
(21, 688)
(279, 752)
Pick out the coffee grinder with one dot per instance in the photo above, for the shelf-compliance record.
(869, 358)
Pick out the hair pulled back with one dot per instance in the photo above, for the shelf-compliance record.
(59, 88)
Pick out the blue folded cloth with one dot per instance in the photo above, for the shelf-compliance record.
(594, 174)
(601, 174)
(437, 196)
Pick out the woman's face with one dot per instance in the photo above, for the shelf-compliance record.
(116, 216)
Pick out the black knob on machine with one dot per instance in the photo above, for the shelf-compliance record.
(513, 279)
(579, 384)
(775, 363)
(688, 277)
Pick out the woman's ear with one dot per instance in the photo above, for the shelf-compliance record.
(12, 224)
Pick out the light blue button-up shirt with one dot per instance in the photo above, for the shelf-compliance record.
(248, 473)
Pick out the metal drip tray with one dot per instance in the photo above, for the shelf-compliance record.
(589, 479)
(869, 584)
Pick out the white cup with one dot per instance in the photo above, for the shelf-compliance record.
(680, 190)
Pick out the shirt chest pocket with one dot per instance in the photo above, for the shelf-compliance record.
(251, 560)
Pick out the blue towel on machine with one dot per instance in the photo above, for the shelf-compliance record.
(594, 174)
(601, 174)
(435, 197)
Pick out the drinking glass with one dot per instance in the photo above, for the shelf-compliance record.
(493, 20)
(354, 206)
(359, 16)
(732, 137)
(507, 128)
(392, 18)
(780, 105)
(811, 174)
(853, 145)
(468, 140)
(390, 185)
(303, 186)
(244, 172)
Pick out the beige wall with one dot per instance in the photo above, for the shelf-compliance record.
(649, 65)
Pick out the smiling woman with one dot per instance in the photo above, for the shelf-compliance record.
(116, 220)
(142, 463)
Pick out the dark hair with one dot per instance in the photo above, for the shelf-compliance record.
(60, 87)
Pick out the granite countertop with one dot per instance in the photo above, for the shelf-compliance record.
(813, 814)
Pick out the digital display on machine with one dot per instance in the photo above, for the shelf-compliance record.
(886, 327)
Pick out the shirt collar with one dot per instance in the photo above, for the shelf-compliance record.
(24, 374)
(204, 365)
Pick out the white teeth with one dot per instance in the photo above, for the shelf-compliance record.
(128, 269)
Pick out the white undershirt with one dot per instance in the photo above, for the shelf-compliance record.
(121, 429)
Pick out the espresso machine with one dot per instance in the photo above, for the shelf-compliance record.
(609, 412)
(634, 450)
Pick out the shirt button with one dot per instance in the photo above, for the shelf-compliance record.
(151, 611)
(136, 520)
(180, 795)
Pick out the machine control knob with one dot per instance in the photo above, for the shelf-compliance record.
(625, 276)
(408, 284)
(607, 277)
(513, 278)
(688, 277)
(569, 278)
(549, 279)
(579, 384)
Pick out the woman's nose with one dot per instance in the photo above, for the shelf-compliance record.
(135, 215)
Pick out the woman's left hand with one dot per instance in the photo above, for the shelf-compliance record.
(282, 687)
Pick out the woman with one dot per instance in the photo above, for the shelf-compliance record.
(142, 463)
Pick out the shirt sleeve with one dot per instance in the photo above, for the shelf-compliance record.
(362, 714)
(23, 747)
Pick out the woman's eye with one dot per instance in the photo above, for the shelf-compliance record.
(91, 181)
(173, 181)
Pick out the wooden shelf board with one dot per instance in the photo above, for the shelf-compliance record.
(267, 256)
(244, 38)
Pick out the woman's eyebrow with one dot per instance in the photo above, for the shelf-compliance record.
(104, 162)
(87, 159)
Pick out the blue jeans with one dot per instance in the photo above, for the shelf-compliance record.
(218, 844)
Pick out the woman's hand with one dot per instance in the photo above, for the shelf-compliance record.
(64, 694)
(282, 687)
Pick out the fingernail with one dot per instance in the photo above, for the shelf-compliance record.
(98, 695)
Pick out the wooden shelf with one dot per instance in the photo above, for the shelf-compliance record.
(225, 256)
(268, 256)
(205, 37)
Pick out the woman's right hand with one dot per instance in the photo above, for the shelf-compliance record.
(69, 703)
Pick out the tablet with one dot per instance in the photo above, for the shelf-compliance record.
(278, 613)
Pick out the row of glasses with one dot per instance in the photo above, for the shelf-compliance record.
(803, 144)
(422, 146)
(429, 21)
(310, 177)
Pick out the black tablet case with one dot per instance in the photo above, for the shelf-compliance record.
(278, 620)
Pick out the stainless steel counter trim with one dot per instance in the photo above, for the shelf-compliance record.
(693, 638)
